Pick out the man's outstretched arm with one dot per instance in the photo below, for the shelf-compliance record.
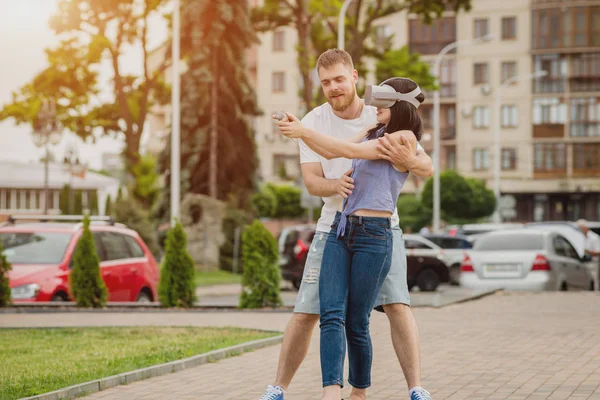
(399, 151)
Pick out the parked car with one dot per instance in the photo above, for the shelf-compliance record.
(524, 259)
(427, 273)
(294, 243)
(41, 254)
(449, 249)
(473, 231)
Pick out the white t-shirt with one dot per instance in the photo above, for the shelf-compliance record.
(592, 243)
(323, 120)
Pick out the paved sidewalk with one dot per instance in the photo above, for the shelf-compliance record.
(505, 346)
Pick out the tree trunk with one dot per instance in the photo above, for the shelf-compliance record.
(212, 180)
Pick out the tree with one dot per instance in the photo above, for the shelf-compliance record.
(412, 213)
(261, 277)
(223, 30)
(176, 287)
(108, 206)
(402, 62)
(316, 24)
(145, 188)
(460, 199)
(5, 266)
(93, 31)
(87, 287)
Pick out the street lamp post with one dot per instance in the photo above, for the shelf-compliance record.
(436, 123)
(46, 132)
(176, 110)
(342, 25)
(497, 153)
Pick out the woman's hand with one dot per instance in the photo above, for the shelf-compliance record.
(291, 128)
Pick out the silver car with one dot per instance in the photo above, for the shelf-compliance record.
(524, 259)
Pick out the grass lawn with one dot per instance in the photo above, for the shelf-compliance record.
(216, 278)
(36, 361)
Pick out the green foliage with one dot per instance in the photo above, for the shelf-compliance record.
(5, 266)
(145, 189)
(63, 199)
(287, 200)
(132, 214)
(108, 206)
(220, 29)
(460, 198)
(265, 203)
(93, 202)
(87, 287)
(176, 287)
(234, 218)
(261, 278)
(412, 213)
(402, 62)
(93, 32)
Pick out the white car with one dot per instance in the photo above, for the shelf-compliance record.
(524, 259)
(451, 250)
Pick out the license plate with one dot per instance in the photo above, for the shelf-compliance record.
(283, 260)
(499, 268)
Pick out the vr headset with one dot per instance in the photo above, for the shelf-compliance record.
(385, 96)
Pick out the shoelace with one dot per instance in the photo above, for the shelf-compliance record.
(421, 395)
(272, 393)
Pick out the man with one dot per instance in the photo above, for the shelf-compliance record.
(592, 247)
(345, 116)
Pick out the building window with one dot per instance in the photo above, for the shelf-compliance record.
(278, 82)
(585, 117)
(549, 111)
(566, 27)
(585, 69)
(509, 28)
(480, 28)
(550, 157)
(481, 117)
(510, 116)
(383, 33)
(481, 159)
(586, 158)
(509, 159)
(556, 67)
(448, 78)
(426, 117)
(279, 40)
(480, 73)
(509, 70)
(432, 38)
(286, 167)
(451, 158)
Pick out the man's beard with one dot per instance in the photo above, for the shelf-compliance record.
(343, 102)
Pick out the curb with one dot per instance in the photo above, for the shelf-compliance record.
(70, 307)
(154, 371)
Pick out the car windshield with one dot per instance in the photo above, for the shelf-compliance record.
(450, 243)
(34, 247)
(516, 241)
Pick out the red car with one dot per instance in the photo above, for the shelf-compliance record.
(41, 254)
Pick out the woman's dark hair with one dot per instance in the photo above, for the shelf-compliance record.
(404, 115)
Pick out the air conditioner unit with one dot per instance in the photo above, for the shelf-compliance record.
(466, 110)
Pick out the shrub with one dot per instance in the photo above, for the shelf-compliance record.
(87, 287)
(4, 282)
(233, 219)
(288, 201)
(176, 287)
(261, 277)
(265, 203)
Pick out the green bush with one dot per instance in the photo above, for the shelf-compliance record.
(87, 287)
(233, 219)
(412, 213)
(176, 287)
(265, 203)
(4, 282)
(261, 277)
(132, 214)
(288, 201)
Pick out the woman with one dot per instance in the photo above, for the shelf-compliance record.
(358, 251)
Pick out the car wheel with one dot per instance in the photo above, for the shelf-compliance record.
(297, 283)
(428, 280)
(592, 286)
(144, 297)
(564, 287)
(59, 297)
(455, 275)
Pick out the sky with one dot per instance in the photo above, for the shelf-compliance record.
(24, 34)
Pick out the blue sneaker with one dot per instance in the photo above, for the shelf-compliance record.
(273, 393)
(418, 393)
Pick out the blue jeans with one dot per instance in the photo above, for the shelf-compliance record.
(353, 269)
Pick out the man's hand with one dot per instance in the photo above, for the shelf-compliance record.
(344, 185)
(398, 151)
(292, 127)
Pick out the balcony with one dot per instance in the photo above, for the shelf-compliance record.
(564, 25)
(549, 131)
(589, 83)
(448, 132)
(585, 129)
(549, 85)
